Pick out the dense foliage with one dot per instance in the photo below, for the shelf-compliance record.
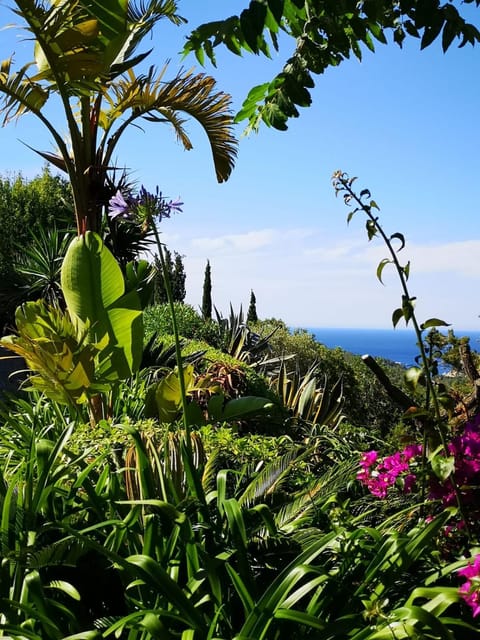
(177, 488)
(324, 34)
(177, 275)
(29, 208)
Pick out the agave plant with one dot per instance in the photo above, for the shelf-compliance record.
(308, 402)
(240, 342)
(39, 264)
(84, 56)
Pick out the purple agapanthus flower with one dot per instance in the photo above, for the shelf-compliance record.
(119, 207)
(145, 208)
(175, 205)
(155, 207)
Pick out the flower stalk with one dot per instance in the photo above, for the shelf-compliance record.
(342, 183)
(146, 210)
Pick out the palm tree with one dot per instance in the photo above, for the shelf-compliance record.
(85, 52)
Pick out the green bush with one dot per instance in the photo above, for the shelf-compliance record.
(367, 405)
(158, 319)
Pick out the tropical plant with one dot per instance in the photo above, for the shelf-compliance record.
(30, 213)
(44, 588)
(208, 399)
(38, 265)
(309, 403)
(27, 205)
(82, 352)
(242, 343)
(84, 55)
(325, 34)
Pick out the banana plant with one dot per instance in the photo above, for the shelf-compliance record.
(84, 55)
(81, 352)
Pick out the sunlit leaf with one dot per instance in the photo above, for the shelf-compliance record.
(433, 322)
(381, 267)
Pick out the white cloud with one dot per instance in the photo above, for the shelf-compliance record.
(310, 279)
(242, 242)
(453, 257)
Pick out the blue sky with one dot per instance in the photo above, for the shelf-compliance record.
(403, 121)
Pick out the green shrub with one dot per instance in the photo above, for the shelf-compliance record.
(158, 319)
(367, 405)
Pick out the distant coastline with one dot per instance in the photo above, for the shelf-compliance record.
(391, 344)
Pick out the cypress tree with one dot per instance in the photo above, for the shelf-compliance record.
(252, 310)
(160, 293)
(176, 271)
(207, 293)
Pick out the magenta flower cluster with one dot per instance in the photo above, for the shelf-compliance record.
(378, 475)
(470, 589)
(465, 448)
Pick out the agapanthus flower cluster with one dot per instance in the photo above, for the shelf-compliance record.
(379, 474)
(470, 589)
(145, 208)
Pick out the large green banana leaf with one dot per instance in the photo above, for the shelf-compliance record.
(94, 290)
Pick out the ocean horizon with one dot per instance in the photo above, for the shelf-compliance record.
(397, 345)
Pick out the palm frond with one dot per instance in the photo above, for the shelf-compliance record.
(40, 263)
(152, 10)
(150, 97)
(65, 552)
(298, 512)
(20, 93)
(269, 477)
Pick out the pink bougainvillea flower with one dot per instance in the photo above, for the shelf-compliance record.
(368, 458)
(470, 590)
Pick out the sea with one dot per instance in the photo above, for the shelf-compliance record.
(391, 344)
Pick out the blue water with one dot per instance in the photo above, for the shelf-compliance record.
(396, 345)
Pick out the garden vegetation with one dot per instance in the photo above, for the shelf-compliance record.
(169, 474)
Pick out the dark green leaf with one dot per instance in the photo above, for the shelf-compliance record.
(450, 31)
(371, 227)
(396, 315)
(431, 32)
(398, 236)
(276, 8)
